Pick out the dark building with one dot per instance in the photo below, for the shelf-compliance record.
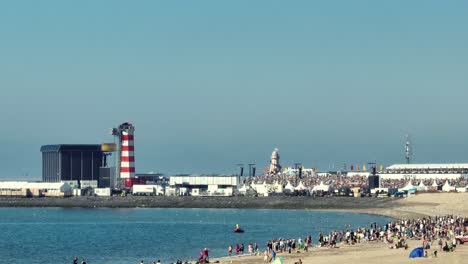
(71, 162)
(374, 181)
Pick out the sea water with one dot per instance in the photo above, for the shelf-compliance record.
(57, 235)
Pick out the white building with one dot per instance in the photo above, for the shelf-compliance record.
(35, 189)
(205, 185)
(425, 171)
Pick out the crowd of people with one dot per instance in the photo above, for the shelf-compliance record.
(400, 183)
(309, 180)
(337, 182)
(437, 233)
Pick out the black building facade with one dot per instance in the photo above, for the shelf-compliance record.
(71, 162)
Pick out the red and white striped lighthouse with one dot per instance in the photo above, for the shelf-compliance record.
(127, 154)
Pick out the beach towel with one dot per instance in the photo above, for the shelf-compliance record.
(278, 261)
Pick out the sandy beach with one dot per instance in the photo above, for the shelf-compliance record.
(415, 206)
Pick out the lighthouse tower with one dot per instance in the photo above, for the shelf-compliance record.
(274, 163)
(127, 156)
(125, 162)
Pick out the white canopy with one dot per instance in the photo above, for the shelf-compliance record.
(421, 186)
(447, 187)
(243, 189)
(428, 166)
(289, 187)
(300, 187)
(408, 186)
(321, 187)
(434, 184)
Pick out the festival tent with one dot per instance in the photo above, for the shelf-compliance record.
(447, 187)
(289, 187)
(259, 188)
(421, 186)
(300, 187)
(409, 187)
(278, 187)
(417, 253)
(321, 187)
(243, 189)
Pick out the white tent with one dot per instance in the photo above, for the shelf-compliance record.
(278, 187)
(447, 187)
(243, 189)
(421, 187)
(300, 187)
(321, 187)
(434, 184)
(289, 187)
(408, 186)
(260, 188)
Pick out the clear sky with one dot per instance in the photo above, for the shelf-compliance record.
(209, 84)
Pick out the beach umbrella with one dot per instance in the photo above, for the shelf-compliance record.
(417, 253)
(278, 261)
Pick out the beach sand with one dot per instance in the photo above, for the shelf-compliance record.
(428, 204)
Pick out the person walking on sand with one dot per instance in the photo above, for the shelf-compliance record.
(230, 250)
(265, 257)
(237, 249)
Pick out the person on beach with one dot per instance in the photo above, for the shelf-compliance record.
(265, 257)
(200, 258)
(237, 249)
(230, 250)
(83, 261)
(241, 249)
(75, 260)
(205, 255)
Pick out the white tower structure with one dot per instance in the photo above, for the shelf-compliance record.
(274, 162)
(408, 150)
(125, 161)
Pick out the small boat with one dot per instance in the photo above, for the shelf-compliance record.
(238, 229)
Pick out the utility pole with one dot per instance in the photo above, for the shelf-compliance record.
(251, 169)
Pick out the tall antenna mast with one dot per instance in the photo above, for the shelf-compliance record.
(408, 150)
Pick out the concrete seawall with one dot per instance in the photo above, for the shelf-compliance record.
(323, 203)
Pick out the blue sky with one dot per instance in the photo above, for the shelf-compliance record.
(209, 84)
